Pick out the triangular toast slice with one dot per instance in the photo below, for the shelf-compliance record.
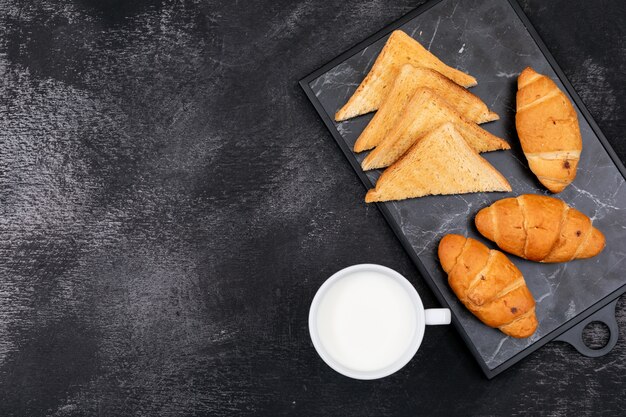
(407, 81)
(400, 49)
(427, 111)
(441, 163)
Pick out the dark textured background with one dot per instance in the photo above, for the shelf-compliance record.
(170, 203)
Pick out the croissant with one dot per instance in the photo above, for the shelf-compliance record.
(489, 285)
(548, 130)
(540, 228)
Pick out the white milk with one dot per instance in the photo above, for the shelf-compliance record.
(366, 321)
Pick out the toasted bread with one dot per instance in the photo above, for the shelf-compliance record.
(407, 81)
(426, 111)
(442, 162)
(400, 49)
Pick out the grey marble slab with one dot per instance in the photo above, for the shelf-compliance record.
(487, 39)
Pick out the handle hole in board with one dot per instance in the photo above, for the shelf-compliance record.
(596, 335)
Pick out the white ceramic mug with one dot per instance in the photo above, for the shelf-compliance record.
(415, 314)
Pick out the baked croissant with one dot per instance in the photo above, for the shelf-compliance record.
(540, 228)
(547, 126)
(489, 285)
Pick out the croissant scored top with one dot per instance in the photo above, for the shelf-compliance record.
(489, 285)
(547, 126)
(540, 228)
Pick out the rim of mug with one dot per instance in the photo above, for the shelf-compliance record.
(401, 361)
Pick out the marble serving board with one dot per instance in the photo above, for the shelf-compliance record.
(488, 39)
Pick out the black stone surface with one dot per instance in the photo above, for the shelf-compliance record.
(488, 39)
(170, 203)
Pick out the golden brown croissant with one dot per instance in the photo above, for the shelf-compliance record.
(489, 285)
(540, 228)
(548, 130)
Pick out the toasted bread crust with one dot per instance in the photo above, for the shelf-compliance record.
(427, 111)
(408, 80)
(425, 170)
(400, 49)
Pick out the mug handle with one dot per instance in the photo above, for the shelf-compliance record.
(437, 316)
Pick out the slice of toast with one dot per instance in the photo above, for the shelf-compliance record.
(427, 111)
(400, 49)
(440, 163)
(406, 82)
